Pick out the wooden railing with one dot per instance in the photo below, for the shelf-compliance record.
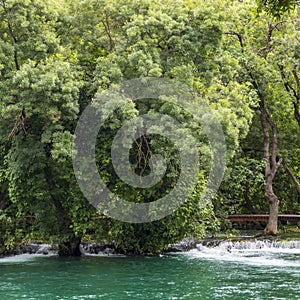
(262, 218)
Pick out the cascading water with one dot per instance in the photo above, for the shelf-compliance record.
(213, 246)
(252, 252)
(241, 270)
(255, 245)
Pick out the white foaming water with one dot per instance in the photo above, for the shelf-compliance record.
(256, 253)
(264, 245)
(19, 258)
(43, 250)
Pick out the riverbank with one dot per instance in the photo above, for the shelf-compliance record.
(245, 240)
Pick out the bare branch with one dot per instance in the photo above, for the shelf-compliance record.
(239, 36)
(269, 36)
(292, 176)
(108, 31)
(294, 72)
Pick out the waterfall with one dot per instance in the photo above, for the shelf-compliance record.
(251, 252)
(250, 245)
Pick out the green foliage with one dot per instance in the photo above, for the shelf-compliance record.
(57, 56)
(39, 103)
(277, 7)
(242, 188)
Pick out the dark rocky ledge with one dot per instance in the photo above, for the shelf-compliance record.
(31, 248)
(107, 249)
(97, 248)
(90, 248)
(182, 246)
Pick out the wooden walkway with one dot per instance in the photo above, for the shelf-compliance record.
(262, 218)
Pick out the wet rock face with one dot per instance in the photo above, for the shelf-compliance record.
(211, 243)
(97, 248)
(26, 249)
(44, 249)
(182, 246)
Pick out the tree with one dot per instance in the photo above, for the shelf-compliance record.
(39, 103)
(156, 38)
(143, 38)
(259, 41)
(58, 57)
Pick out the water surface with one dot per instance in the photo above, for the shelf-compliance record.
(224, 272)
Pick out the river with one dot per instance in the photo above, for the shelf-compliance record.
(252, 270)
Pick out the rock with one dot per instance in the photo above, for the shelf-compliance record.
(109, 251)
(184, 245)
(97, 248)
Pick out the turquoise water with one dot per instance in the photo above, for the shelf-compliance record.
(218, 273)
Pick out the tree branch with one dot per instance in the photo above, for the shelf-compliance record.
(265, 128)
(296, 103)
(291, 91)
(291, 175)
(108, 32)
(269, 37)
(239, 36)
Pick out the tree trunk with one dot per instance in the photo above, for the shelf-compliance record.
(272, 226)
(271, 166)
(70, 248)
(271, 162)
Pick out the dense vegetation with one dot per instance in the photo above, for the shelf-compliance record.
(240, 57)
